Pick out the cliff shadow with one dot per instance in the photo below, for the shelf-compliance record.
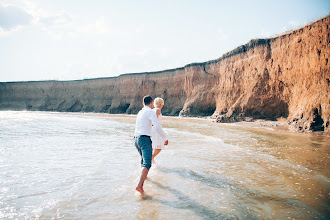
(270, 109)
(317, 123)
(105, 109)
(121, 108)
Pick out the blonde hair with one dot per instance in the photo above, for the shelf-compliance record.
(158, 101)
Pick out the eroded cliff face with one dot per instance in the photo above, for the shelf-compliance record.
(282, 77)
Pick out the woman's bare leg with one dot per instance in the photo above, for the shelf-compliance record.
(156, 151)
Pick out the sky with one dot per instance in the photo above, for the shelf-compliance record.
(81, 39)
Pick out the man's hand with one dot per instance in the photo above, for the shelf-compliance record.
(166, 142)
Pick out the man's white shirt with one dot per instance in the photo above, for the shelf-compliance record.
(144, 121)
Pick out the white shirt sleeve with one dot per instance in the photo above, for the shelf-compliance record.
(157, 125)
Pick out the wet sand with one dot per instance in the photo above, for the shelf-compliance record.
(85, 166)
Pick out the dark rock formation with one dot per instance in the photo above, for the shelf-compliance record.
(285, 76)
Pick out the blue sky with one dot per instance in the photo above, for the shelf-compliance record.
(78, 39)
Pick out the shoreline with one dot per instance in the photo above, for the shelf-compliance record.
(282, 126)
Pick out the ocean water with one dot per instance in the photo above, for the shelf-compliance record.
(85, 166)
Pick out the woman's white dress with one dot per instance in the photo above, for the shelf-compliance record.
(157, 140)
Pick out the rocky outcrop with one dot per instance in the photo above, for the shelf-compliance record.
(286, 76)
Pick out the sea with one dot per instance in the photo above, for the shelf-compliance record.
(85, 166)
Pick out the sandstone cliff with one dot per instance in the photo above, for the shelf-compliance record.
(285, 76)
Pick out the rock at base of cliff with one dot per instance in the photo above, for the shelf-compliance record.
(233, 118)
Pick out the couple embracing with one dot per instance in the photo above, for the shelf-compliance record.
(149, 134)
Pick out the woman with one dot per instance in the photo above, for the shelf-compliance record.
(157, 140)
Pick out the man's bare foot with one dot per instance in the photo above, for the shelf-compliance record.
(140, 190)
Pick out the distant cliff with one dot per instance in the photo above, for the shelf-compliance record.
(286, 76)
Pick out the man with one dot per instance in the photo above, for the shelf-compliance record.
(146, 118)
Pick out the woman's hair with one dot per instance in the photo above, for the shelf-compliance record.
(158, 101)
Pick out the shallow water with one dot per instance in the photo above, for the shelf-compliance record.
(85, 166)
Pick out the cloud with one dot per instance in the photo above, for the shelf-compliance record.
(56, 24)
(12, 17)
(125, 61)
(58, 20)
(294, 23)
(99, 27)
(222, 34)
(59, 27)
(265, 34)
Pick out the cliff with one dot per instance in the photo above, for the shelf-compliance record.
(286, 76)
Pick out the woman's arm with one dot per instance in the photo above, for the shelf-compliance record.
(158, 112)
(157, 125)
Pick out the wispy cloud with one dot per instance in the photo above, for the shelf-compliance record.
(60, 24)
(292, 24)
(98, 27)
(125, 61)
(58, 20)
(222, 35)
(265, 34)
(13, 17)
